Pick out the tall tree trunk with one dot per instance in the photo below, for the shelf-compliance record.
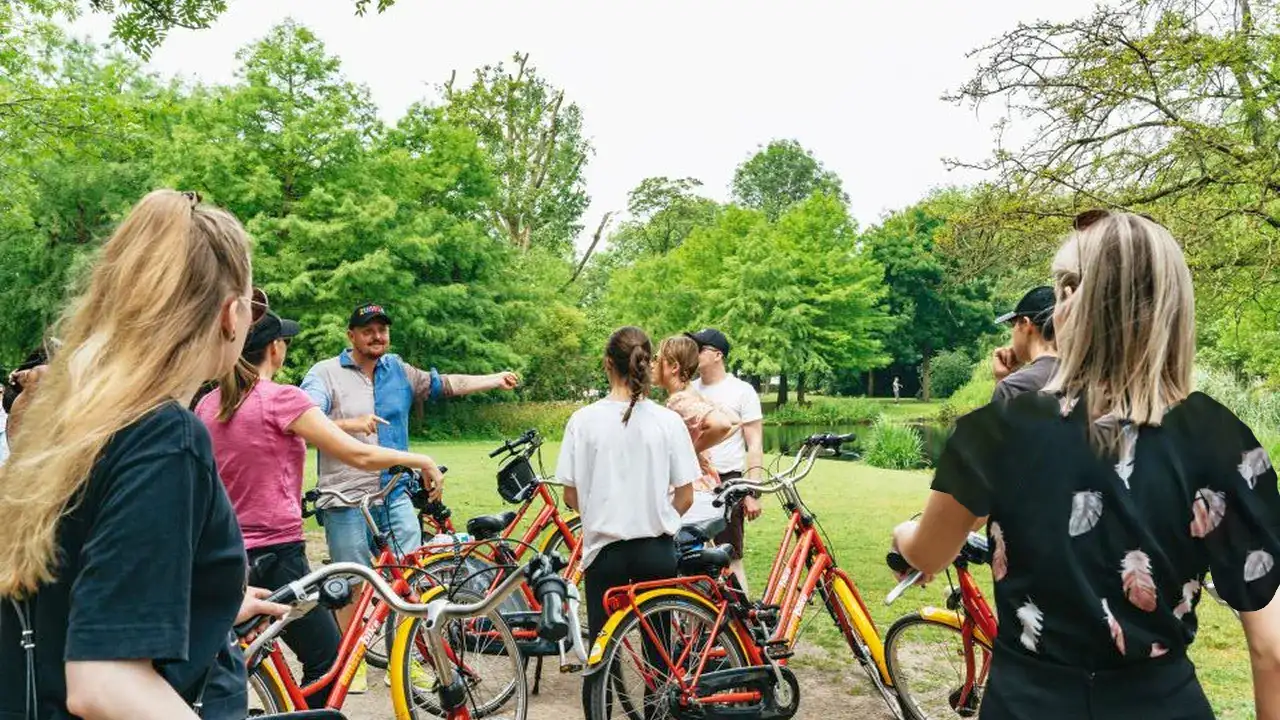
(782, 389)
(871, 383)
(925, 371)
(800, 388)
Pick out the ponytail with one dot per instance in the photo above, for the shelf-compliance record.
(630, 355)
(237, 385)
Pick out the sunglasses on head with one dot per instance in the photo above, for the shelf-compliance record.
(258, 304)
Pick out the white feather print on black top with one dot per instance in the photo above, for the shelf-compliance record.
(1128, 448)
(1257, 565)
(1253, 464)
(1032, 624)
(1086, 509)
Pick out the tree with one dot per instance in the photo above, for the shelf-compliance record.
(663, 214)
(932, 309)
(141, 25)
(535, 145)
(781, 175)
(1159, 106)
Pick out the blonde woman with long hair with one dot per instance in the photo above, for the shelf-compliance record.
(1108, 497)
(118, 547)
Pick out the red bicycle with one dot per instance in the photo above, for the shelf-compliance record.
(939, 658)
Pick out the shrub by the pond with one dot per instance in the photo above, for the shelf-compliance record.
(825, 411)
(463, 420)
(949, 371)
(892, 446)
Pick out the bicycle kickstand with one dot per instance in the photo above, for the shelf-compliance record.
(537, 675)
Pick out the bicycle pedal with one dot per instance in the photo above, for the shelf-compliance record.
(569, 668)
(778, 651)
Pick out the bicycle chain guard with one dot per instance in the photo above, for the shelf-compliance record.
(776, 702)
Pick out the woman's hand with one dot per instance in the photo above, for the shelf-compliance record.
(254, 605)
(903, 532)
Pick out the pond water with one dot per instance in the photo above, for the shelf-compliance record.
(786, 438)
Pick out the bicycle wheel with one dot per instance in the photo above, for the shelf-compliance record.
(631, 681)
(928, 664)
(266, 693)
(485, 654)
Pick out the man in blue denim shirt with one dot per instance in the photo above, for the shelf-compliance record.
(369, 392)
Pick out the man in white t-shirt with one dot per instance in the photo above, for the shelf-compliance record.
(742, 453)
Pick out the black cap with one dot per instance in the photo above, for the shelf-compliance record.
(269, 329)
(1037, 305)
(710, 337)
(366, 314)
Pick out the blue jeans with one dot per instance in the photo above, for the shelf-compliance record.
(349, 538)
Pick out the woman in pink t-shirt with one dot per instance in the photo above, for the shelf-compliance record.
(708, 424)
(260, 431)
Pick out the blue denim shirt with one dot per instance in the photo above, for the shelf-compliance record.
(395, 384)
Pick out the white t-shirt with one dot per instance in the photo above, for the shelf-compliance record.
(737, 397)
(624, 474)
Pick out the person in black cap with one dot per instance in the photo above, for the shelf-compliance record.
(742, 453)
(260, 431)
(1027, 363)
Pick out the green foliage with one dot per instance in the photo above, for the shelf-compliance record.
(892, 446)
(663, 214)
(796, 295)
(780, 175)
(951, 370)
(1255, 404)
(973, 394)
(534, 142)
(826, 411)
(480, 420)
(932, 309)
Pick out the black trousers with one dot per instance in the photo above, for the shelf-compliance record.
(1021, 687)
(314, 637)
(623, 563)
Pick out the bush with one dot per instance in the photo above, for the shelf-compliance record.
(463, 420)
(893, 447)
(1255, 404)
(825, 411)
(949, 371)
(975, 393)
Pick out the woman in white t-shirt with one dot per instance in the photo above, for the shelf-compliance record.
(622, 458)
(708, 424)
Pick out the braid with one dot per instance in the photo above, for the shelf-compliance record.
(637, 378)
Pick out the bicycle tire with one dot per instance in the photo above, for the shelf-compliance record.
(411, 704)
(911, 704)
(266, 687)
(599, 681)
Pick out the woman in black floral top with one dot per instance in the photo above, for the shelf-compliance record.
(1141, 487)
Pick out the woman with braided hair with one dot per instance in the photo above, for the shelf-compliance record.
(628, 467)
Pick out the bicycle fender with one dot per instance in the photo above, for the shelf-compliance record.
(403, 638)
(611, 625)
(943, 616)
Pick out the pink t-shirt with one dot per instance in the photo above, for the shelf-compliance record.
(260, 462)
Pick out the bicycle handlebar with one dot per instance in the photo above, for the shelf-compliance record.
(511, 445)
(787, 478)
(899, 564)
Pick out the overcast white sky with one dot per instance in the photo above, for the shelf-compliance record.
(679, 87)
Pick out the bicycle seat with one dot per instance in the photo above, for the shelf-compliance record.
(487, 527)
(706, 561)
(700, 532)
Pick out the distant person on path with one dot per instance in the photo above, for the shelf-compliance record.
(1098, 554)
(742, 453)
(708, 424)
(260, 432)
(1027, 363)
(897, 388)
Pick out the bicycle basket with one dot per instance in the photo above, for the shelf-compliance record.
(516, 480)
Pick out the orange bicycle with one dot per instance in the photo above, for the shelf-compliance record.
(695, 647)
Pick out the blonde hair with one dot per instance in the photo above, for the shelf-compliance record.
(1126, 342)
(682, 352)
(140, 334)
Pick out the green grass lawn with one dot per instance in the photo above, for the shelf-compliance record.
(858, 506)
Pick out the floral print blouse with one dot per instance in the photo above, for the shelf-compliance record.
(1099, 561)
(694, 408)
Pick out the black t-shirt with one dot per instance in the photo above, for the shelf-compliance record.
(153, 568)
(1099, 562)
